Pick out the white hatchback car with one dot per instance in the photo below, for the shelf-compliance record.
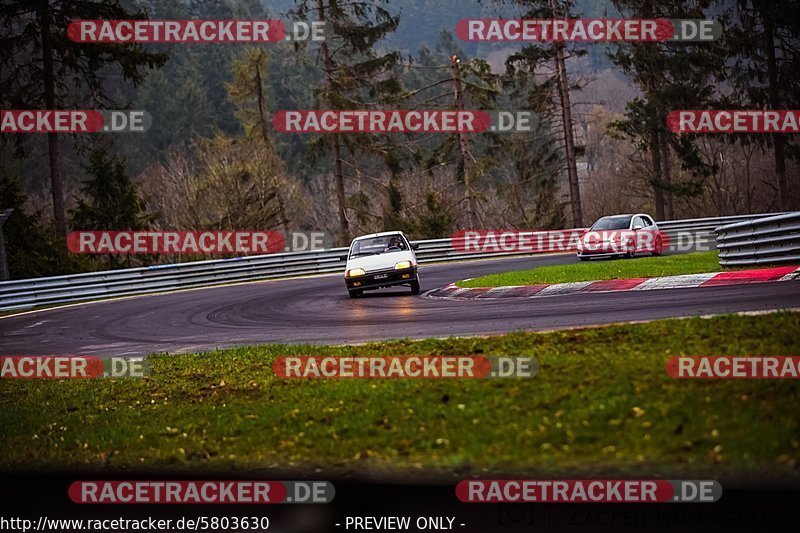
(621, 236)
(381, 260)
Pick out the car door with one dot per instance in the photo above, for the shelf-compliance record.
(638, 227)
(649, 244)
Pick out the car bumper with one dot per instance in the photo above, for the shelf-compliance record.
(384, 278)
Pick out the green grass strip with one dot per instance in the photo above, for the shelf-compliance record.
(600, 269)
(601, 403)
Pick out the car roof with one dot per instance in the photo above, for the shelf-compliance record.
(381, 234)
(628, 215)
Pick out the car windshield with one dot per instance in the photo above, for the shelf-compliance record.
(378, 245)
(604, 223)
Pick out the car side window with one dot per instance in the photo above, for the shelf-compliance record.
(648, 221)
(637, 221)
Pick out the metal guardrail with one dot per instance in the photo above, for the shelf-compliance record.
(774, 239)
(698, 233)
(37, 292)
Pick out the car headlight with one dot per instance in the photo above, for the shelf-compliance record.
(353, 272)
(403, 264)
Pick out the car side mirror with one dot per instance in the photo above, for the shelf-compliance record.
(637, 227)
(415, 246)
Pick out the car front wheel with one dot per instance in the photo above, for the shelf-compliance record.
(415, 286)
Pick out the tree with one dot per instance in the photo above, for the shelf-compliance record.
(188, 96)
(566, 117)
(557, 54)
(481, 86)
(444, 78)
(435, 220)
(28, 246)
(230, 181)
(247, 92)
(671, 75)
(180, 101)
(234, 186)
(764, 43)
(109, 200)
(355, 75)
(43, 69)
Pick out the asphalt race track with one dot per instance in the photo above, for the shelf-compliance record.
(318, 310)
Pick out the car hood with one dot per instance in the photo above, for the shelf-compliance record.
(372, 263)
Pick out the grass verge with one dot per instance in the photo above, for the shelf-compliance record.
(602, 403)
(600, 269)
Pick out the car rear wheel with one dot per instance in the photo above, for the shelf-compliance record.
(356, 293)
(415, 286)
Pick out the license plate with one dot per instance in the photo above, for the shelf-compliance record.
(381, 276)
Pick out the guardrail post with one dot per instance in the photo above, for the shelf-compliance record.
(3, 261)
